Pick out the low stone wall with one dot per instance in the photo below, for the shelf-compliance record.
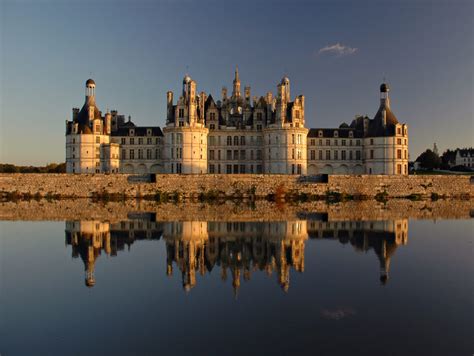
(370, 210)
(242, 186)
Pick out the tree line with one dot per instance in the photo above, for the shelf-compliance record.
(49, 168)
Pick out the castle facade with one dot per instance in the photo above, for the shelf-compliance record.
(237, 134)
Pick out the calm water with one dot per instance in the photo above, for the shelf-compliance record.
(312, 286)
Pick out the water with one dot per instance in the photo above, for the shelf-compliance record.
(314, 284)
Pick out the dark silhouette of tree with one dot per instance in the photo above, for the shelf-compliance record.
(429, 160)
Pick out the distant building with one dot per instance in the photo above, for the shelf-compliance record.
(235, 135)
(465, 157)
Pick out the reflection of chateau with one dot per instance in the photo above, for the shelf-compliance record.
(382, 236)
(236, 248)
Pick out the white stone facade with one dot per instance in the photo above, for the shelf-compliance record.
(238, 134)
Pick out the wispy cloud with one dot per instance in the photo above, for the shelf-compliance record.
(338, 50)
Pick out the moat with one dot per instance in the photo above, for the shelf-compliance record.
(134, 277)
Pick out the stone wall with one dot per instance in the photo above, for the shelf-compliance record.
(259, 186)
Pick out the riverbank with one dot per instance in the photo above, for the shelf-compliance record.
(209, 187)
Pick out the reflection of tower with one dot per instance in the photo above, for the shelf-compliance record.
(383, 236)
(185, 244)
(88, 238)
(399, 228)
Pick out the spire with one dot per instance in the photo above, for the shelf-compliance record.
(236, 87)
(236, 76)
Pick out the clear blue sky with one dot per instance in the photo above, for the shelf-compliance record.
(137, 50)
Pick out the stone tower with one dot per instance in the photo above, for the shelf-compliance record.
(185, 134)
(285, 147)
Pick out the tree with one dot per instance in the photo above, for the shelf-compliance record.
(429, 160)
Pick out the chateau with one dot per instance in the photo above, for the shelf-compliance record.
(234, 135)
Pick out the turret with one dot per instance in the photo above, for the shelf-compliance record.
(90, 88)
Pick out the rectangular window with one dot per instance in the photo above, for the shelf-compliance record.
(312, 142)
(320, 155)
(242, 140)
(242, 155)
(343, 155)
(357, 142)
(236, 140)
(236, 169)
(299, 169)
(336, 155)
(212, 115)
(351, 155)
(292, 169)
(97, 139)
(236, 155)
(219, 154)
(242, 169)
(180, 113)
(292, 153)
(358, 155)
(229, 155)
(328, 155)
(124, 154)
(343, 142)
(123, 140)
(293, 138)
(328, 142)
(211, 154)
(229, 169)
(399, 141)
(313, 155)
(132, 141)
(259, 154)
(148, 141)
(148, 154)
(211, 168)
(140, 154)
(399, 154)
(132, 154)
(399, 169)
(140, 141)
(371, 154)
(157, 154)
(229, 140)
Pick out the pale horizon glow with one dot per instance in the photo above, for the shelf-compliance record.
(335, 53)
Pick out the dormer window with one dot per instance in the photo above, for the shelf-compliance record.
(180, 113)
(148, 132)
(320, 133)
(351, 134)
(212, 115)
(336, 133)
(132, 132)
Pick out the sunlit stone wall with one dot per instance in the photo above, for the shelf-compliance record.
(242, 185)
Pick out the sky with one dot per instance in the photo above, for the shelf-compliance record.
(336, 53)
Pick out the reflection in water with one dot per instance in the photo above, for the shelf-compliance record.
(237, 248)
